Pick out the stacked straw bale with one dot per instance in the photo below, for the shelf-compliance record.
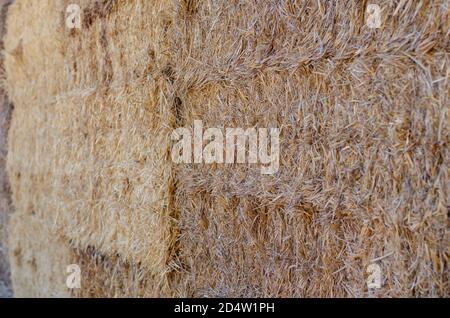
(89, 139)
(364, 147)
(39, 258)
(364, 155)
(38, 253)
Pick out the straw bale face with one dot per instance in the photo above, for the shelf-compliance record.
(364, 158)
(114, 183)
(110, 276)
(39, 258)
(364, 148)
(90, 136)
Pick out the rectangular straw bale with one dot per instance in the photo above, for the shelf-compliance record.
(39, 258)
(110, 276)
(119, 145)
(364, 148)
(90, 134)
(114, 184)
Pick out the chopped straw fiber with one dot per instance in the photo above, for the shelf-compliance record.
(364, 155)
(364, 147)
(96, 165)
(110, 276)
(39, 258)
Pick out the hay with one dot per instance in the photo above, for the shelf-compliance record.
(111, 276)
(364, 146)
(97, 113)
(39, 258)
(116, 177)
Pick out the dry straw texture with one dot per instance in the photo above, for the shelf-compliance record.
(39, 258)
(5, 194)
(364, 146)
(89, 139)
